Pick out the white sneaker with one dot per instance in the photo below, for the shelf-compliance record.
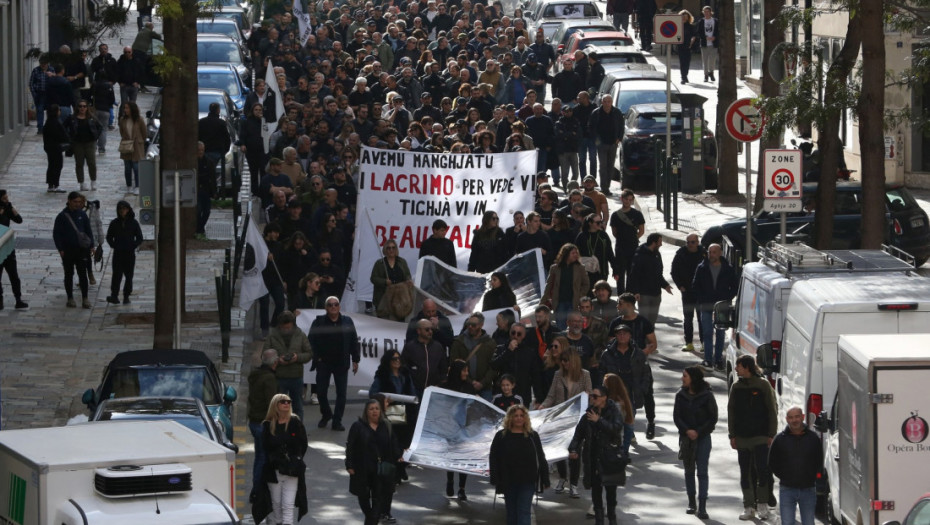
(747, 514)
(762, 511)
(127, 190)
(83, 186)
(573, 491)
(560, 486)
(135, 190)
(314, 400)
(93, 185)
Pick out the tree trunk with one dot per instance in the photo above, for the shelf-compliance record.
(871, 123)
(773, 36)
(726, 95)
(178, 152)
(828, 139)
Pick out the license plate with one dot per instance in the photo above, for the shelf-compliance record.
(917, 222)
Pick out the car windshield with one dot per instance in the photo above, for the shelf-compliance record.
(570, 11)
(920, 514)
(220, 3)
(900, 199)
(219, 80)
(627, 98)
(604, 42)
(164, 382)
(572, 30)
(194, 423)
(220, 52)
(632, 58)
(204, 101)
(656, 122)
(207, 26)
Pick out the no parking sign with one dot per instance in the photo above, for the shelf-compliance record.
(667, 29)
(782, 175)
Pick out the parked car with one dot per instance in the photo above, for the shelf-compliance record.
(569, 27)
(242, 12)
(188, 411)
(547, 15)
(630, 84)
(221, 50)
(906, 224)
(205, 97)
(918, 515)
(646, 124)
(584, 38)
(223, 77)
(612, 57)
(185, 373)
(221, 26)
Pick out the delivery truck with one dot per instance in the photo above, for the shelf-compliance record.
(877, 458)
(115, 473)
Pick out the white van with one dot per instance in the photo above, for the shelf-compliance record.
(820, 311)
(877, 425)
(765, 285)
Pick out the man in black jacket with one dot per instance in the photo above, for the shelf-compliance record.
(606, 126)
(714, 280)
(74, 240)
(130, 74)
(334, 341)
(438, 246)
(646, 280)
(542, 130)
(796, 457)
(213, 132)
(686, 261)
(519, 359)
(567, 83)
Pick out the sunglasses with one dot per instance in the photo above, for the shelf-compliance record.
(284, 402)
(325, 259)
(516, 332)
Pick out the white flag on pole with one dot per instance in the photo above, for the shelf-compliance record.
(303, 22)
(271, 84)
(254, 261)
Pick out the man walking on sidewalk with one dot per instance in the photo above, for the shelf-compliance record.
(606, 125)
(73, 240)
(796, 457)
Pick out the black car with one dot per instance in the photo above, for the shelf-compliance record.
(160, 373)
(907, 226)
(645, 125)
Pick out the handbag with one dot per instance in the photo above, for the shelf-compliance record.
(591, 263)
(291, 466)
(613, 466)
(84, 240)
(386, 471)
(127, 146)
(396, 413)
(687, 451)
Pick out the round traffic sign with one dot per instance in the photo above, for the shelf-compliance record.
(782, 180)
(744, 121)
(668, 29)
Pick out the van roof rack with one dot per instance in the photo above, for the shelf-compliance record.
(801, 258)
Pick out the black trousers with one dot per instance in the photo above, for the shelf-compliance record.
(9, 264)
(684, 60)
(598, 498)
(649, 398)
(71, 259)
(377, 500)
(56, 162)
(124, 265)
(755, 479)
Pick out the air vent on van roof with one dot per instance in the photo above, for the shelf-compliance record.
(125, 481)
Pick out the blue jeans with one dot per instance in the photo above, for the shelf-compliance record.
(561, 314)
(39, 100)
(789, 498)
(340, 376)
(712, 339)
(519, 502)
(294, 388)
(259, 463)
(587, 152)
(66, 112)
(628, 434)
(702, 458)
(131, 172)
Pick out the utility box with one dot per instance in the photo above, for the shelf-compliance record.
(188, 193)
(693, 124)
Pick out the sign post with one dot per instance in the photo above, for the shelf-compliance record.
(667, 31)
(782, 176)
(745, 122)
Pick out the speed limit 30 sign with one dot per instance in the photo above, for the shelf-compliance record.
(782, 174)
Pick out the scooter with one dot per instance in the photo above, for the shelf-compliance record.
(811, 162)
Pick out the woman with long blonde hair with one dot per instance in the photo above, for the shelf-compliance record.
(285, 442)
(518, 464)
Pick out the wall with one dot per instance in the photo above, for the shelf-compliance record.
(14, 90)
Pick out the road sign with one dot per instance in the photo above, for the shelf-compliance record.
(667, 29)
(744, 121)
(782, 175)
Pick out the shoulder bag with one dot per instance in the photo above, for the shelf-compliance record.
(128, 146)
(613, 466)
(84, 240)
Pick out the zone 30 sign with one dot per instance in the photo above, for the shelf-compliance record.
(782, 176)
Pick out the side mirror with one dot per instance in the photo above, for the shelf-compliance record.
(148, 114)
(823, 423)
(230, 395)
(231, 446)
(764, 356)
(88, 398)
(723, 315)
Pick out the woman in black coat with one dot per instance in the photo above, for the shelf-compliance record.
(592, 241)
(487, 248)
(599, 434)
(253, 145)
(284, 440)
(500, 295)
(54, 140)
(295, 262)
(518, 466)
(371, 442)
(695, 416)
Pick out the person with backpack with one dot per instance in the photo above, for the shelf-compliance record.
(752, 415)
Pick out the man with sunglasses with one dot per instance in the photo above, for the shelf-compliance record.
(334, 341)
(425, 357)
(520, 359)
(476, 348)
(686, 261)
(624, 358)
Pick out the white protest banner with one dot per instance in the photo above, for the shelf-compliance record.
(271, 84)
(376, 336)
(256, 257)
(401, 193)
(454, 431)
(303, 22)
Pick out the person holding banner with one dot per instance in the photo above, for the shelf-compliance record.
(476, 348)
(391, 279)
(518, 465)
(598, 436)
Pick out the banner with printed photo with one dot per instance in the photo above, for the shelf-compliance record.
(401, 193)
(454, 431)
